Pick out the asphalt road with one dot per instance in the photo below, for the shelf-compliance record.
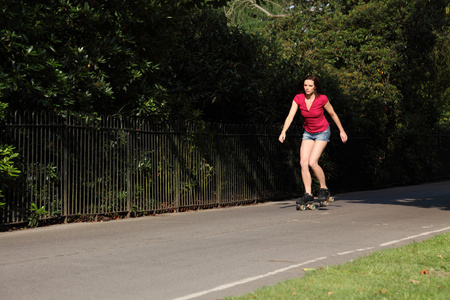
(214, 253)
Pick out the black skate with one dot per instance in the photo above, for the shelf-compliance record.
(305, 202)
(324, 197)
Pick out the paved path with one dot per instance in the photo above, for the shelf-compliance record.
(214, 253)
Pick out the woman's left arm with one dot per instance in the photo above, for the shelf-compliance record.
(330, 110)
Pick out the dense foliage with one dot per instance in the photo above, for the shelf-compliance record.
(8, 171)
(160, 59)
(383, 63)
(180, 60)
(379, 70)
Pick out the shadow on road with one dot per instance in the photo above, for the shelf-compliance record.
(433, 195)
(442, 202)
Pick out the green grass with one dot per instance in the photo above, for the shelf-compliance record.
(417, 271)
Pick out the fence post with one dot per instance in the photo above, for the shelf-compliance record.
(129, 160)
(65, 143)
(176, 133)
(218, 167)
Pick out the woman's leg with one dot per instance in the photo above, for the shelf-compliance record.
(305, 152)
(313, 162)
(310, 152)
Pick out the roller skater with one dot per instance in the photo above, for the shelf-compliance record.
(312, 105)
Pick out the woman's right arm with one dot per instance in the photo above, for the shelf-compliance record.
(288, 121)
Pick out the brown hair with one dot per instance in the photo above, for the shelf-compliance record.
(318, 90)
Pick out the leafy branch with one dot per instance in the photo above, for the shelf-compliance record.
(7, 168)
(235, 5)
(36, 215)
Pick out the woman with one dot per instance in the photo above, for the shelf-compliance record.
(316, 136)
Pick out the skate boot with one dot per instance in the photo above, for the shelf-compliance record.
(324, 197)
(305, 202)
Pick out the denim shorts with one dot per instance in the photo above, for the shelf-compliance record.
(321, 136)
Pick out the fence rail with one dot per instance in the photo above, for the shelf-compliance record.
(84, 166)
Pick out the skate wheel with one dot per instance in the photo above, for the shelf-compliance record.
(324, 203)
(312, 207)
(302, 207)
(330, 199)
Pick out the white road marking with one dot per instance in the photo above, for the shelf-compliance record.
(246, 280)
(353, 251)
(347, 252)
(414, 236)
(364, 249)
(250, 279)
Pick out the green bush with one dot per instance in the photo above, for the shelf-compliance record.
(7, 169)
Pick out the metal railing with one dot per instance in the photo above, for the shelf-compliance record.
(86, 166)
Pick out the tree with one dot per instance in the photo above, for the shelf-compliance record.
(72, 56)
(442, 61)
(252, 15)
(89, 56)
(157, 59)
(375, 60)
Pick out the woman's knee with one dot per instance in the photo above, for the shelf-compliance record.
(313, 164)
(304, 164)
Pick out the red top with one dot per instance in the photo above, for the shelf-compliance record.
(315, 120)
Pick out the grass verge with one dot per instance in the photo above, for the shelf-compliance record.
(420, 270)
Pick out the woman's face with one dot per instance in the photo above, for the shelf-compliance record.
(309, 87)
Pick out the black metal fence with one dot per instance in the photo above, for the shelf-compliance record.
(86, 166)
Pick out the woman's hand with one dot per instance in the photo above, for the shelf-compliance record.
(287, 123)
(344, 137)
